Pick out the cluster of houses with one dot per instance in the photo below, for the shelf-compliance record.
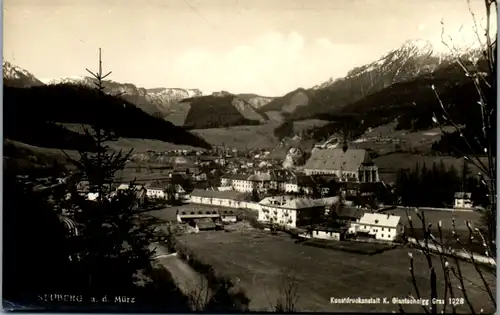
(165, 190)
(270, 180)
(308, 214)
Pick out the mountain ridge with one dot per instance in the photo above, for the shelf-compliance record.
(67, 103)
(166, 103)
(405, 63)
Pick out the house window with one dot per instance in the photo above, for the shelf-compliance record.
(389, 235)
(317, 232)
(382, 235)
(383, 229)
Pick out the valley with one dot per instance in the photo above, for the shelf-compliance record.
(243, 189)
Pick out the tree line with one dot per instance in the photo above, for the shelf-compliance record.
(436, 186)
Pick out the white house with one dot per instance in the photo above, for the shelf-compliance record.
(381, 226)
(155, 192)
(351, 165)
(238, 182)
(463, 200)
(290, 211)
(327, 233)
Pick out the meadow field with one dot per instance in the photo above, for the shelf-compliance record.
(241, 137)
(433, 216)
(259, 262)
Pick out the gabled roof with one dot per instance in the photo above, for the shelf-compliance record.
(337, 159)
(259, 177)
(290, 202)
(230, 194)
(235, 176)
(380, 219)
(155, 187)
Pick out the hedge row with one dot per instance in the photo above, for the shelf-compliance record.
(350, 247)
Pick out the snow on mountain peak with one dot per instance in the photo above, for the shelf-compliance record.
(411, 58)
(17, 76)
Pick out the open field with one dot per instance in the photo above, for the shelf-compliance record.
(434, 217)
(241, 137)
(259, 262)
(377, 139)
(303, 125)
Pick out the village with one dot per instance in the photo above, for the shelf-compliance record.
(336, 195)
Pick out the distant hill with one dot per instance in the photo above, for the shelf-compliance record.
(165, 103)
(410, 104)
(174, 104)
(213, 111)
(255, 100)
(29, 113)
(289, 103)
(411, 60)
(152, 101)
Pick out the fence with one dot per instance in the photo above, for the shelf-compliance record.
(430, 209)
(456, 253)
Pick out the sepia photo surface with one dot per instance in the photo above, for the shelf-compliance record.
(229, 156)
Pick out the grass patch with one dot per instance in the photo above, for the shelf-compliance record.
(259, 261)
(241, 137)
(434, 216)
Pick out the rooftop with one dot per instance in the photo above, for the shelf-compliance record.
(380, 219)
(235, 176)
(290, 202)
(260, 177)
(230, 194)
(337, 159)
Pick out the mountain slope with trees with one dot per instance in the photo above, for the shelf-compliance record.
(30, 114)
(219, 111)
(406, 63)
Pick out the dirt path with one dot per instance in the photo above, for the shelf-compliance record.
(187, 279)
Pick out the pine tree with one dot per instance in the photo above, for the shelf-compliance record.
(113, 240)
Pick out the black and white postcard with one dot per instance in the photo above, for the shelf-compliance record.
(228, 156)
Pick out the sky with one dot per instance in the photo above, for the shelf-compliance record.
(267, 47)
